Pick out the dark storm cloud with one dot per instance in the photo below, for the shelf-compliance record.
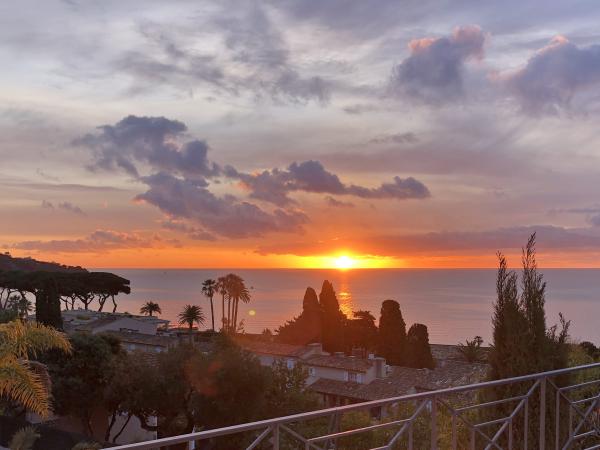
(150, 140)
(310, 176)
(504, 239)
(554, 75)
(226, 215)
(178, 177)
(434, 70)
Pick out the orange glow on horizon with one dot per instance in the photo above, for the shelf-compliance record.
(210, 258)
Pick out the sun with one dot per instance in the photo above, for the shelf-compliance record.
(344, 262)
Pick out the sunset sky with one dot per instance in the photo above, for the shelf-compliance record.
(291, 133)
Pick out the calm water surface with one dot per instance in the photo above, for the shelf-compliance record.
(454, 304)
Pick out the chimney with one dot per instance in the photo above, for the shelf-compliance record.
(380, 367)
(371, 355)
(316, 347)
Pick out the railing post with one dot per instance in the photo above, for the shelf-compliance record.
(434, 423)
(276, 437)
(543, 414)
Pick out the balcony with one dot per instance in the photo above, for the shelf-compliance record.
(550, 410)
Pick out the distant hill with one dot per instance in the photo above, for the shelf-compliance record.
(8, 262)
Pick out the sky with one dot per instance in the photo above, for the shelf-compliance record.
(299, 133)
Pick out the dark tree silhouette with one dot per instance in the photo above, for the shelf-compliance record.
(361, 332)
(333, 319)
(149, 308)
(522, 342)
(209, 289)
(418, 352)
(307, 327)
(190, 315)
(392, 333)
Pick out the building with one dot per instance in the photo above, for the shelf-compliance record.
(87, 321)
(341, 379)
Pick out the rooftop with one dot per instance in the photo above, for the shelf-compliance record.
(272, 348)
(340, 362)
(406, 380)
(144, 339)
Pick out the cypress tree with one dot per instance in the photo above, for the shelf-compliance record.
(333, 319)
(392, 333)
(47, 304)
(522, 342)
(418, 351)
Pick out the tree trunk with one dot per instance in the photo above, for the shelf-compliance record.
(191, 335)
(235, 314)
(223, 312)
(212, 313)
(229, 314)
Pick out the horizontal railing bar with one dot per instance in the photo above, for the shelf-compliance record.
(586, 434)
(492, 422)
(575, 386)
(584, 400)
(357, 430)
(495, 402)
(233, 429)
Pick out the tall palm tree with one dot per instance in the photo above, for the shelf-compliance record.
(23, 381)
(190, 315)
(222, 289)
(149, 308)
(237, 290)
(209, 288)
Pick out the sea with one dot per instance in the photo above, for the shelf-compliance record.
(455, 304)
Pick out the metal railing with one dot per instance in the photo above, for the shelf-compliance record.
(551, 410)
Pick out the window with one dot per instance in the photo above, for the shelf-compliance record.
(290, 364)
(312, 371)
(356, 377)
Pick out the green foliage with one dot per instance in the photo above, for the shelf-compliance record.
(522, 342)
(392, 333)
(591, 349)
(471, 349)
(418, 353)
(80, 379)
(24, 439)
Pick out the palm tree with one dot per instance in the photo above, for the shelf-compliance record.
(209, 288)
(149, 308)
(222, 289)
(237, 290)
(191, 314)
(23, 381)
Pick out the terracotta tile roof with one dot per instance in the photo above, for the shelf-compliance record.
(348, 389)
(272, 348)
(405, 380)
(340, 362)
